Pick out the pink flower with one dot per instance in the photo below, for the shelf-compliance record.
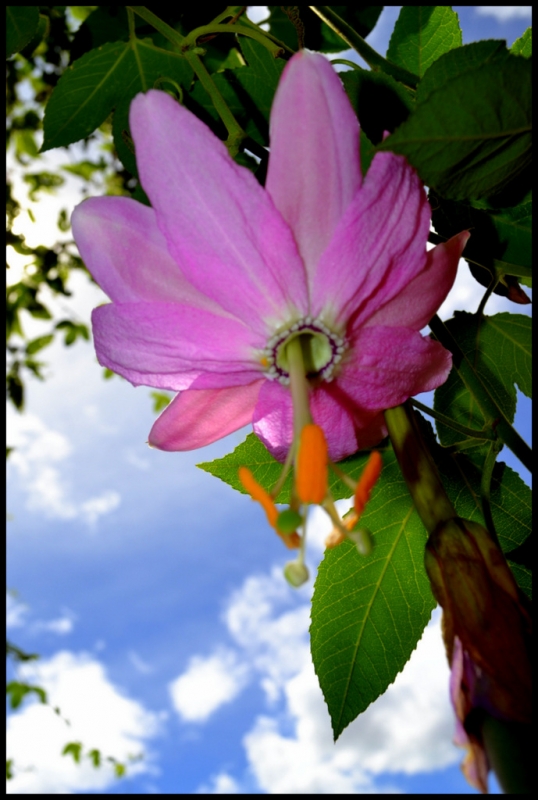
(210, 285)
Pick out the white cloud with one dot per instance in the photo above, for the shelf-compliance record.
(60, 626)
(505, 13)
(47, 487)
(290, 747)
(220, 784)
(15, 612)
(99, 716)
(207, 684)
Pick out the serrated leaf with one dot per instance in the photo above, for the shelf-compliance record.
(317, 35)
(499, 347)
(456, 62)
(523, 45)
(90, 88)
(368, 613)
(501, 238)
(21, 24)
(153, 64)
(248, 91)
(421, 35)
(510, 497)
(380, 102)
(252, 454)
(85, 95)
(471, 137)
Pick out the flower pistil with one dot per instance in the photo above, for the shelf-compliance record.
(300, 355)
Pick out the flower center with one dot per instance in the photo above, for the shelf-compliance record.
(321, 348)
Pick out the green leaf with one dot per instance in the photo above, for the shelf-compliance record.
(95, 756)
(523, 577)
(421, 35)
(74, 749)
(248, 91)
(523, 45)
(501, 238)
(119, 769)
(18, 691)
(252, 454)
(510, 501)
(368, 612)
(160, 401)
(21, 24)
(15, 652)
(471, 137)
(456, 62)
(38, 344)
(318, 35)
(499, 347)
(380, 102)
(153, 66)
(91, 87)
(9, 769)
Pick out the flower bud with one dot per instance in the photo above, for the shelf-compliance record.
(296, 573)
(486, 628)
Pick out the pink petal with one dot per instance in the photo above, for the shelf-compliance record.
(346, 426)
(379, 246)
(167, 345)
(121, 245)
(419, 300)
(273, 419)
(389, 365)
(314, 168)
(199, 417)
(220, 224)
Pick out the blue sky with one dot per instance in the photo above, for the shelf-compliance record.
(155, 597)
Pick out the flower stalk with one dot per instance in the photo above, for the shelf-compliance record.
(486, 621)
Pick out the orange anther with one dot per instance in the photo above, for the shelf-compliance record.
(258, 493)
(312, 469)
(367, 481)
(291, 540)
(335, 538)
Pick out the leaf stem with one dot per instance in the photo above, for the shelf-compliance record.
(485, 489)
(130, 21)
(235, 132)
(450, 423)
(487, 295)
(347, 63)
(489, 408)
(243, 30)
(167, 31)
(372, 58)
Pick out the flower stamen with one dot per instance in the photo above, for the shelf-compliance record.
(312, 465)
(363, 489)
(258, 493)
